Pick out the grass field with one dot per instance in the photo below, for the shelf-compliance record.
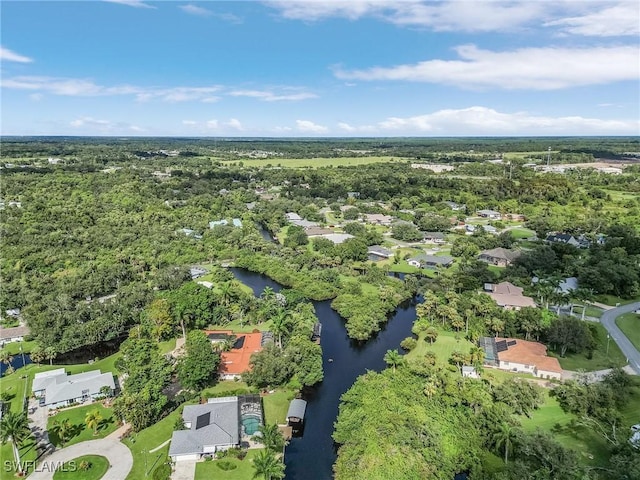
(629, 323)
(315, 162)
(613, 300)
(600, 360)
(520, 233)
(98, 466)
(444, 346)
(591, 447)
(14, 347)
(27, 453)
(80, 432)
(244, 471)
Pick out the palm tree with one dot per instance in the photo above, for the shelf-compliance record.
(6, 357)
(431, 334)
(393, 359)
(93, 419)
(37, 354)
(62, 429)
(267, 466)
(270, 437)
(476, 356)
(14, 427)
(458, 359)
(226, 293)
(504, 437)
(50, 353)
(430, 388)
(280, 325)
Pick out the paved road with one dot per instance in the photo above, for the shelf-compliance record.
(608, 319)
(118, 454)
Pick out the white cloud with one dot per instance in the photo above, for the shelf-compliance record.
(307, 126)
(195, 10)
(131, 3)
(7, 55)
(617, 20)
(90, 125)
(212, 124)
(36, 97)
(78, 87)
(545, 68)
(592, 18)
(189, 122)
(235, 124)
(486, 121)
(268, 96)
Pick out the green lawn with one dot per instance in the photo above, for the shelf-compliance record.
(591, 447)
(276, 405)
(225, 388)
(98, 466)
(520, 233)
(443, 347)
(27, 453)
(244, 471)
(591, 311)
(613, 300)
(80, 432)
(167, 346)
(15, 383)
(14, 347)
(629, 323)
(600, 359)
(140, 443)
(550, 417)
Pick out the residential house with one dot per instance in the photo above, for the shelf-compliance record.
(516, 217)
(190, 233)
(338, 238)
(501, 257)
(13, 334)
(378, 219)
(434, 237)
(578, 242)
(508, 296)
(290, 216)
(235, 222)
(490, 229)
(379, 251)
(430, 261)
(235, 362)
(57, 389)
(216, 426)
(317, 231)
(522, 356)
(492, 214)
(197, 272)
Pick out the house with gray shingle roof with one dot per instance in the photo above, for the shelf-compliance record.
(430, 261)
(215, 426)
(57, 389)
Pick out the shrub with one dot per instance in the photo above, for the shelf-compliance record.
(163, 472)
(226, 465)
(409, 343)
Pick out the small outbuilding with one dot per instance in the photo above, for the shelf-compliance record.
(295, 414)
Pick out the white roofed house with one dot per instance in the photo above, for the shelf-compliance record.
(56, 389)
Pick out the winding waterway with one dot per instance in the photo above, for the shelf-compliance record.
(312, 456)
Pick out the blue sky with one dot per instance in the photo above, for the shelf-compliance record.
(312, 68)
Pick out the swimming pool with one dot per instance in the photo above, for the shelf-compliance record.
(250, 422)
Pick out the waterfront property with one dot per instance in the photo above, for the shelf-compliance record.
(235, 362)
(430, 261)
(14, 334)
(515, 355)
(215, 426)
(56, 389)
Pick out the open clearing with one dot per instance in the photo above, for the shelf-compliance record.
(315, 162)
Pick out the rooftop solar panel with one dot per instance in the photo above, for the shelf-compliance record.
(511, 343)
(203, 420)
(501, 346)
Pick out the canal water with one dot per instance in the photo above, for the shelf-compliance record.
(311, 457)
(16, 362)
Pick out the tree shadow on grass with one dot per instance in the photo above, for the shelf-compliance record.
(105, 423)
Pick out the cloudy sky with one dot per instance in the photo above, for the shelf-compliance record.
(320, 68)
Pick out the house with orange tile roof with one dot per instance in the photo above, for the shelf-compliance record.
(515, 355)
(508, 296)
(235, 362)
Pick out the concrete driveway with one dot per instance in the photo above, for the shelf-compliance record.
(608, 319)
(184, 470)
(118, 454)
